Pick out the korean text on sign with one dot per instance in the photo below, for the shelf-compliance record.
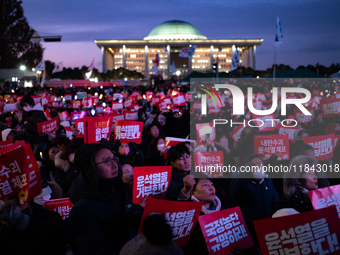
(181, 216)
(326, 197)
(225, 231)
(180, 222)
(150, 181)
(312, 232)
(128, 131)
(153, 184)
(303, 239)
(323, 145)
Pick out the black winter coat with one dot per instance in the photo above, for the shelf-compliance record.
(97, 224)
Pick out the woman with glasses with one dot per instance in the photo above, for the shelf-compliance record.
(99, 220)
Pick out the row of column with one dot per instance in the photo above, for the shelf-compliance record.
(108, 61)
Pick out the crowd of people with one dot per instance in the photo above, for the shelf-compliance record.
(98, 177)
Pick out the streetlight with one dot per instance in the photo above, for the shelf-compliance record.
(22, 68)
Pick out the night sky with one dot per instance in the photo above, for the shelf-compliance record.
(310, 27)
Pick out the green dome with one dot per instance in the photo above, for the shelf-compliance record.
(175, 30)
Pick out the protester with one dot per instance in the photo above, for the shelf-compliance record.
(31, 230)
(156, 152)
(296, 184)
(98, 222)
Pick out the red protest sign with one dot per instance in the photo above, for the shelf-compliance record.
(69, 132)
(117, 106)
(188, 97)
(203, 130)
(326, 197)
(178, 99)
(56, 104)
(209, 162)
(135, 93)
(289, 131)
(77, 115)
(130, 115)
(97, 128)
(302, 118)
(87, 102)
(235, 134)
(267, 145)
(19, 174)
(118, 96)
(36, 99)
(118, 116)
(128, 131)
(62, 206)
(68, 97)
(64, 116)
(49, 126)
(75, 104)
(330, 107)
(313, 232)
(266, 122)
(128, 104)
(323, 145)
(18, 99)
(149, 95)
(51, 97)
(181, 216)
(47, 113)
(44, 101)
(79, 125)
(5, 143)
(151, 181)
(155, 100)
(224, 229)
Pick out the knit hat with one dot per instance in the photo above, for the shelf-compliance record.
(156, 239)
(5, 133)
(298, 133)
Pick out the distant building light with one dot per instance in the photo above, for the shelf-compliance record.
(22, 68)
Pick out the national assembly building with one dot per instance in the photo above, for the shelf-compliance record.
(168, 39)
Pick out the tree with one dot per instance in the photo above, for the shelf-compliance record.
(15, 33)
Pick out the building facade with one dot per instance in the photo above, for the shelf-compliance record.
(167, 40)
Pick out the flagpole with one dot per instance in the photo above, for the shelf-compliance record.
(274, 63)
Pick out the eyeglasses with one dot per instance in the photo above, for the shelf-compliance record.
(155, 129)
(186, 156)
(109, 162)
(127, 171)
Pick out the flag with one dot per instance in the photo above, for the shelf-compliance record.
(165, 50)
(188, 52)
(58, 67)
(235, 60)
(173, 67)
(219, 49)
(88, 75)
(154, 69)
(156, 61)
(91, 66)
(43, 79)
(192, 50)
(40, 66)
(278, 37)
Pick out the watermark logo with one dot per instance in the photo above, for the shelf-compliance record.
(238, 99)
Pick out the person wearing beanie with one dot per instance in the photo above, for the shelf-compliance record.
(156, 239)
(8, 134)
(99, 221)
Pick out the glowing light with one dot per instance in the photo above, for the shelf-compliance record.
(22, 68)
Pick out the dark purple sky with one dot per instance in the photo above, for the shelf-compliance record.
(310, 27)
